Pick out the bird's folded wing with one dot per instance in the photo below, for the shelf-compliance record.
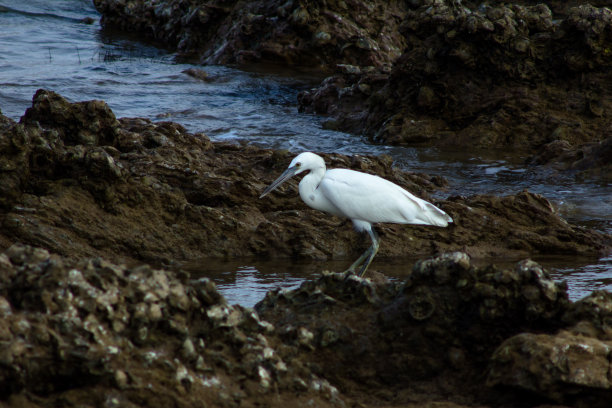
(371, 198)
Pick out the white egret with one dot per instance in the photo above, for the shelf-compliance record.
(361, 197)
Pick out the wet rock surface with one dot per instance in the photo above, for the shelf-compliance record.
(589, 161)
(533, 77)
(313, 34)
(79, 182)
(562, 365)
(452, 334)
(82, 186)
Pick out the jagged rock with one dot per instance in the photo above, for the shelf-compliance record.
(314, 34)
(571, 366)
(590, 161)
(155, 192)
(83, 123)
(75, 332)
(442, 328)
(486, 76)
(561, 367)
(71, 332)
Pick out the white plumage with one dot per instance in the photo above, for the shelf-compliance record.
(361, 197)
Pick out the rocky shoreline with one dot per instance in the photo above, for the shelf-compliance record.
(93, 333)
(492, 77)
(79, 182)
(531, 76)
(87, 200)
(86, 187)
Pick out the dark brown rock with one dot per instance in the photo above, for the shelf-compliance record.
(93, 331)
(571, 366)
(485, 76)
(83, 123)
(589, 161)
(313, 34)
(439, 331)
(563, 367)
(157, 193)
(79, 332)
(454, 74)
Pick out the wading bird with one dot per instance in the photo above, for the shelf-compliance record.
(361, 197)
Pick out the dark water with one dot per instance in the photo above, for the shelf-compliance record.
(247, 281)
(48, 45)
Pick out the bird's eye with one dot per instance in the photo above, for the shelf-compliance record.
(298, 164)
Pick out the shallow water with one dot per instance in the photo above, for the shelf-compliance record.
(246, 281)
(47, 45)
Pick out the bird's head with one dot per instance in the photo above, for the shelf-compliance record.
(302, 162)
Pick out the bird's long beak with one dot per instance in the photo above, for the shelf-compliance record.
(290, 172)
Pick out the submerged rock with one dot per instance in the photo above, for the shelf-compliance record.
(589, 161)
(79, 182)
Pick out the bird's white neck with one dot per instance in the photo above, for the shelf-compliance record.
(308, 186)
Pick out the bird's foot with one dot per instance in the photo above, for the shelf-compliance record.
(350, 270)
(354, 270)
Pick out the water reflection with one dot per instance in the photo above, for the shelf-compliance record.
(245, 282)
(583, 280)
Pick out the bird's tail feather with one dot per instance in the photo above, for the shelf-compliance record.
(429, 214)
(435, 216)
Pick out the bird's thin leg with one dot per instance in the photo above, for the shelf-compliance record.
(373, 250)
(359, 260)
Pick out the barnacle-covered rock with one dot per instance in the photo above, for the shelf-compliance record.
(314, 33)
(88, 123)
(140, 189)
(485, 75)
(138, 333)
(442, 267)
(592, 26)
(74, 330)
(442, 323)
(159, 193)
(594, 310)
(573, 362)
